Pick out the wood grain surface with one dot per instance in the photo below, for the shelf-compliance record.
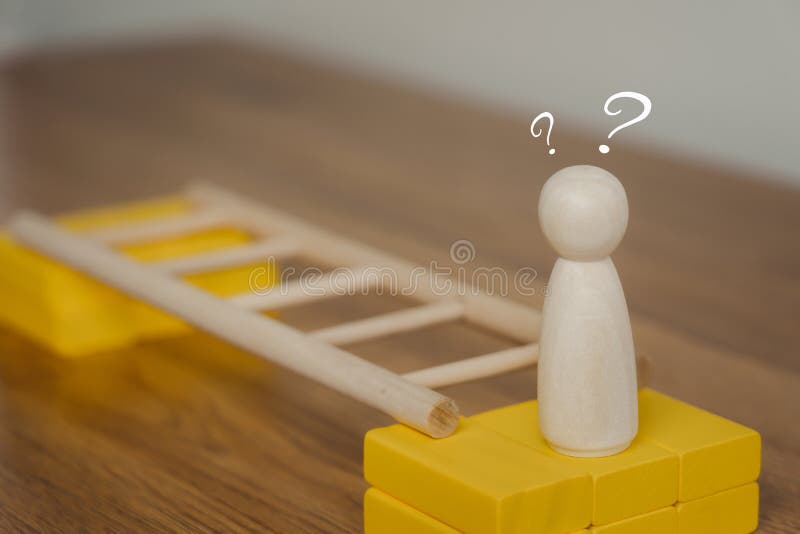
(189, 434)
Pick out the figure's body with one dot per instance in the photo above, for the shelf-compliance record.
(587, 369)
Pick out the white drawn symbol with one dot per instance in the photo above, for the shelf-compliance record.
(537, 133)
(604, 149)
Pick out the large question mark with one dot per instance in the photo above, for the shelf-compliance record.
(534, 133)
(642, 116)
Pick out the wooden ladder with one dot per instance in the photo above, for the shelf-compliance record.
(316, 355)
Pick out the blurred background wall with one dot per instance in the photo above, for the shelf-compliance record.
(724, 77)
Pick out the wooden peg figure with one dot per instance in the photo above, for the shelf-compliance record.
(588, 403)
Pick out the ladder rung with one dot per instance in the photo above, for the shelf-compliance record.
(391, 323)
(332, 284)
(277, 247)
(491, 364)
(159, 229)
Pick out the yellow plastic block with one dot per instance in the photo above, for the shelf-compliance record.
(715, 454)
(664, 521)
(174, 247)
(733, 511)
(129, 212)
(73, 315)
(478, 481)
(641, 479)
(386, 515)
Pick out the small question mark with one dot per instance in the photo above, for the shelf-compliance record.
(535, 133)
(642, 116)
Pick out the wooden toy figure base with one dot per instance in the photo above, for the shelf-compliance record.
(590, 454)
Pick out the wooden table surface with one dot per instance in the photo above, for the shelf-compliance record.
(189, 434)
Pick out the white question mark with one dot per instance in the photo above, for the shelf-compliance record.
(642, 116)
(535, 133)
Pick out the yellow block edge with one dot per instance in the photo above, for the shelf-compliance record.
(386, 515)
(734, 511)
(664, 521)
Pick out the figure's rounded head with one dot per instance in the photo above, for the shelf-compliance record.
(583, 211)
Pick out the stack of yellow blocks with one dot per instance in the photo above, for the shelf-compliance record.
(687, 472)
(73, 315)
